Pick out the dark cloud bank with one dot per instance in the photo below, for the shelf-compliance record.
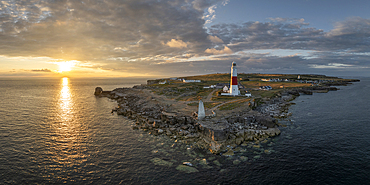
(159, 37)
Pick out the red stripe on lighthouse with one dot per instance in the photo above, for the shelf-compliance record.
(234, 80)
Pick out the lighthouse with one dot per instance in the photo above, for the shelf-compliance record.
(234, 90)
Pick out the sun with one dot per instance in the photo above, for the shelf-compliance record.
(66, 66)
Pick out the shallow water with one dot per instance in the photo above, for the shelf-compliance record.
(55, 131)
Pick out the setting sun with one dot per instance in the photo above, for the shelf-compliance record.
(66, 66)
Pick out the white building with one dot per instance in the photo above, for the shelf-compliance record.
(247, 93)
(209, 87)
(188, 81)
(163, 82)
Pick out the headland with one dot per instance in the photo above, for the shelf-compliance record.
(170, 106)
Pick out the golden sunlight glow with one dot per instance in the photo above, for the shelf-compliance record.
(69, 133)
(65, 99)
(66, 66)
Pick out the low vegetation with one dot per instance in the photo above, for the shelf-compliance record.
(235, 104)
(190, 92)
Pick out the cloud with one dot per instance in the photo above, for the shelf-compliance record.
(288, 20)
(144, 36)
(176, 44)
(352, 35)
(98, 30)
(331, 66)
(225, 2)
(41, 70)
(215, 39)
(214, 51)
(210, 14)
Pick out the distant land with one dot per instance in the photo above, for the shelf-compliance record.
(169, 106)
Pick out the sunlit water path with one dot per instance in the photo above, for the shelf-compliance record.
(56, 131)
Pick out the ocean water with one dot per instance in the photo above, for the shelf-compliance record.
(55, 131)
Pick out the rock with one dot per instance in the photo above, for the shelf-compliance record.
(239, 140)
(217, 163)
(228, 153)
(257, 157)
(272, 131)
(203, 162)
(236, 162)
(184, 127)
(156, 124)
(98, 91)
(266, 121)
(160, 131)
(187, 164)
(160, 162)
(237, 149)
(243, 158)
(215, 147)
(256, 146)
(186, 169)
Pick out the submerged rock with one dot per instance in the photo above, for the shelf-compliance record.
(186, 169)
(160, 162)
(243, 158)
(204, 164)
(267, 152)
(256, 146)
(217, 163)
(257, 157)
(236, 162)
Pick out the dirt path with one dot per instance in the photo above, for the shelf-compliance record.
(209, 97)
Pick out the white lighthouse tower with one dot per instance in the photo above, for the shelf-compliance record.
(234, 90)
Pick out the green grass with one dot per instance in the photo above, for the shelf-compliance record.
(194, 91)
(226, 98)
(274, 85)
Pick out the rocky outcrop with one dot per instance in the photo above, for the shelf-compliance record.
(98, 91)
(209, 133)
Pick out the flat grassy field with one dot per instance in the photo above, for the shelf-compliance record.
(181, 91)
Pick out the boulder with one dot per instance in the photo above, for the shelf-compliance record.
(272, 131)
(266, 121)
(236, 162)
(239, 140)
(228, 153)
(98, 91)
(186, 169)
(160, 162)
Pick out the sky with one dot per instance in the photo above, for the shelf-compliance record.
(169, 38)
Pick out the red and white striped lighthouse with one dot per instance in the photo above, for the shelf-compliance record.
(234, 90)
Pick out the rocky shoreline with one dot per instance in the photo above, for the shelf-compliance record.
(156, 118)
(218, 135)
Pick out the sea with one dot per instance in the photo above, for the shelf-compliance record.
(55, 131)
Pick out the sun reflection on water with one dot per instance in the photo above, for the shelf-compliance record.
(69, 138)
(65, 100)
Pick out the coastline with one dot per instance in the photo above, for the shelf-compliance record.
(158, 115)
